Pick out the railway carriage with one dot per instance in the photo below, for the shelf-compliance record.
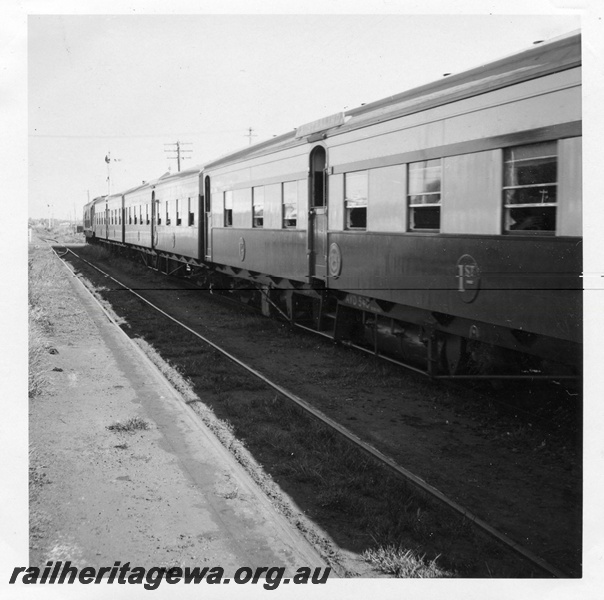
(427, 225)
(89, 219)
(137, 216)
(258, 206)
(100, 218)
(176, 210)
(114, 221)
(440, 227)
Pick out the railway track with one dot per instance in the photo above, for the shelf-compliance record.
(540, 565)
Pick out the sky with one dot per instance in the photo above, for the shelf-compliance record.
(131, 85)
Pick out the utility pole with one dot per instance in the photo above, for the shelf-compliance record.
(250, 135)
(179, 151)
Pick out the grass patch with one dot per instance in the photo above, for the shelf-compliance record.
(96, 252)
(130, 426)
(400, 562)
(38, 363)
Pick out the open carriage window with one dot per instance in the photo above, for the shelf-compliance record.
(258, 206)
(356, 186)
(424, 195)
(290, 204)
(228, 209)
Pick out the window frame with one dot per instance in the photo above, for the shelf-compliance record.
(349, 208)
(258, 221)
(190, 214)
(412, 207)
(227, 198)
(508, 207)
(294, 186)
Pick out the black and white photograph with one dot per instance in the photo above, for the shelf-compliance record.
(308, 300)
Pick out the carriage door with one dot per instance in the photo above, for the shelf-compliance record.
(154, 210)
(317, 214)
(207, 209)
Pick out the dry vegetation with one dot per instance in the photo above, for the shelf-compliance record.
(130, 426)
(41, 271)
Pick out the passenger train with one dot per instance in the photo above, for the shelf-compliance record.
(440, 227)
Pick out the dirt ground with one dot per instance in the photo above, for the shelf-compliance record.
(169, 495)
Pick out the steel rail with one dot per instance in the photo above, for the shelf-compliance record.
(367, 448)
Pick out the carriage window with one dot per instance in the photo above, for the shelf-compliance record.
(129, 215)
(167, 213)
(356, 186)
(530, 187)
(290, 204)
(228, 209)
(178, 219)
(424, 197)
(147, 213)
(140, 214)
(258, 206)
(191, 219)
(135, 217)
